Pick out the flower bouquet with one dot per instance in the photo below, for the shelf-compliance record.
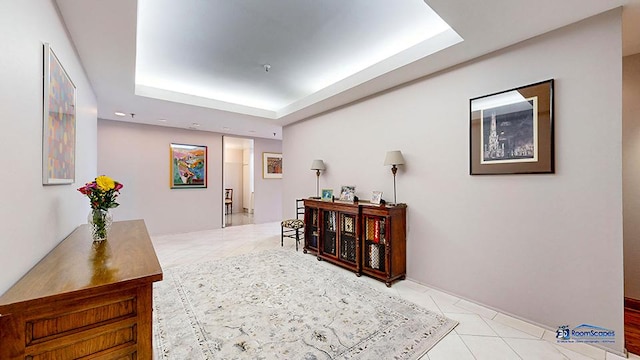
(102, 194)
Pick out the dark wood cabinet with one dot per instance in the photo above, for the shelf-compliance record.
(311, 229)
(84, 300)
(383, 242)
(362, 237)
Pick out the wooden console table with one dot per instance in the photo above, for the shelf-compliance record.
(84, 299)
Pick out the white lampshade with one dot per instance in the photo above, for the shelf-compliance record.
(317, 165)
(394, 158)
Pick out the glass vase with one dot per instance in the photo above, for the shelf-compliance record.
(99, 222)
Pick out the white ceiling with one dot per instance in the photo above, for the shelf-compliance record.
(217, 49)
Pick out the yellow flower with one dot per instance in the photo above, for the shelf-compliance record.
(105, 183)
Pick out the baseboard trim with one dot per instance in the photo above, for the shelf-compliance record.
(633, 304)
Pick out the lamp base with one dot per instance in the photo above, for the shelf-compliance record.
(314, 197)
(394, 204)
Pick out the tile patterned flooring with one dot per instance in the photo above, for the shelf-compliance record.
(481, 334)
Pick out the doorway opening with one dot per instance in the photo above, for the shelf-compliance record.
(237, 183)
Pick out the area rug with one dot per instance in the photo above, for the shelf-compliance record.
(279, 304)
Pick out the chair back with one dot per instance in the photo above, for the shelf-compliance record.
(228, 194)
(299, 208)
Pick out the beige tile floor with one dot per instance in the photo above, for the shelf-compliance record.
(481, 334)
(240, 218)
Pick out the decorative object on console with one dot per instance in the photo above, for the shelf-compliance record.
(59, 123)
(348, 193)
(188, 166)
(511, 132)
(327, 194)
(102, 194)
(376, 197)
(318, 165)
(271, 165)
(394, 158)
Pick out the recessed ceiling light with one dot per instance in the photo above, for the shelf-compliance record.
(252, 131)
(162, 120)
(195, 124)
(120, 113)
(226, 128)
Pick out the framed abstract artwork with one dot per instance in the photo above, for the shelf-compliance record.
(271, 165)
(511, 132)
(188, 166)
(59, 123)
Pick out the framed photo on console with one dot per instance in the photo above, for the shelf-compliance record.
(327, 195)
(348, 193)
(511, 132)
(376, 197)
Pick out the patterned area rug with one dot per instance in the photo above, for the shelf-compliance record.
(278, 304)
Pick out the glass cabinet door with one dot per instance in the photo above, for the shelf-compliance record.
(348, 238)
(375, 242)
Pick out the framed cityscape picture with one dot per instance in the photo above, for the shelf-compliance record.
(188, 166)
(271, 165)
(511, 132)
(59, 123)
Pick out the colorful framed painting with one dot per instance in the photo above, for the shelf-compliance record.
(59, 123)
(511, 132)
(271, 165)
(188, 166)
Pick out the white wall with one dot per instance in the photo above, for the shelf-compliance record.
(34, 218)
(138, 156)
(268, 192)
(545, 248)
(631, 173)
(143, 167)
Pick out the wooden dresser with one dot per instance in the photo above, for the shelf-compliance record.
(84, 299)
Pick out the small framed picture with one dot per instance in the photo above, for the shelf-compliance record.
(348, 193)
(327, 195)
(271, 165)
(376, 196)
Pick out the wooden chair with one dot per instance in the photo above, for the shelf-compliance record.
(291, 227)
(228, 201)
